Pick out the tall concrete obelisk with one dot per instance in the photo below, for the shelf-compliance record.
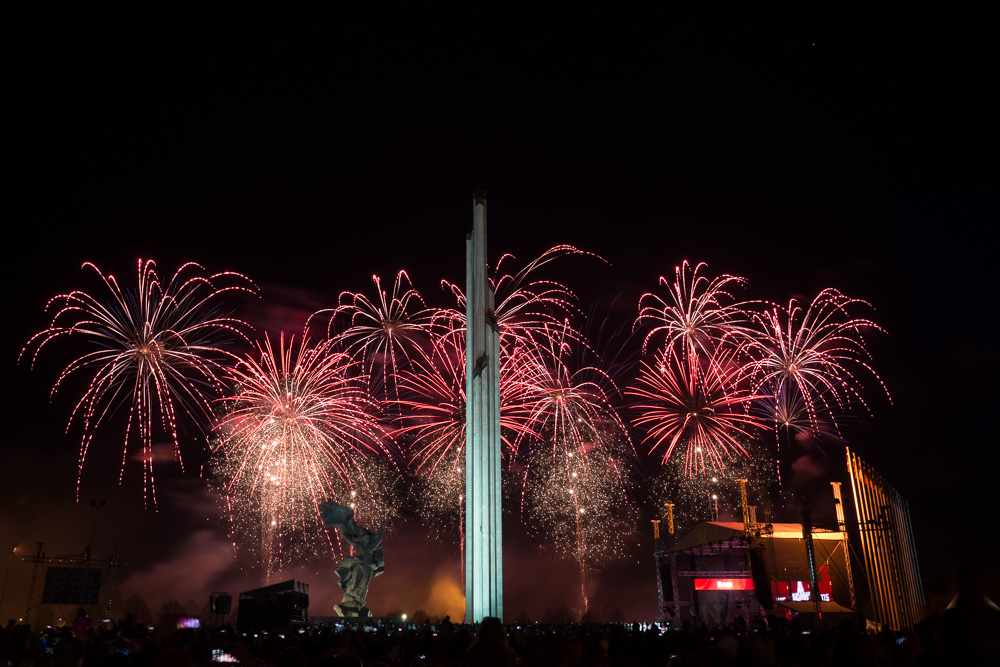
(483, 536)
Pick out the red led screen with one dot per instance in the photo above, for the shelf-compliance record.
(723, 584)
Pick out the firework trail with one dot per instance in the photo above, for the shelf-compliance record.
(695, 402)
(157, 348)
(700, 312)
(380, 331)
(298, 429)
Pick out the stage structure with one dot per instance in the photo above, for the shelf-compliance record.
(282, 606)
(888, 549)
(483, 535)
(721, 569)
(666, 568)
(711, 574)
(220, 604)
(73, 579)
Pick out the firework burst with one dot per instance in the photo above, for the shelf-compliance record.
(380, 331)
(565, 406)
(696, 403)
(528, 326)
(295, 432)
(526, 307)
(808, 360)
(572, 486)
(699, 311)
(157, 349)
(432, 410)
(784, 408)
(431, 417)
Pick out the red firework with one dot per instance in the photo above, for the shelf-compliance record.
(433, 390)
(295, 432)
(526, 306)
(699, 311)
(433, 404)
(571, 408)
(695, 402)
(308, 406)
(572, 484)
(809, 359)
(159, 350)
(379, 330)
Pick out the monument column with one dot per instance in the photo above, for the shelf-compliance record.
(483, 536)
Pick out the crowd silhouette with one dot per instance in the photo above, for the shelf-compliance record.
(938, 641)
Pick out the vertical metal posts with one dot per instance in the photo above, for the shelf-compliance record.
(888, 548)
(842, 525)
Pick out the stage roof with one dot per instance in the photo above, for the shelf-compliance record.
(722, 531)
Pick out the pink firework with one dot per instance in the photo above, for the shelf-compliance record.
(382, 331)
(697, 403)
(698, 310)
(432, 415)
(433, 389)
(295, 432)
(157, 349)
(786, 410)
(570, 408)
(526, 306)
(572, 484)
(433, 404)
(810, 359)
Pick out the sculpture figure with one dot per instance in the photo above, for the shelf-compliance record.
(366, 562)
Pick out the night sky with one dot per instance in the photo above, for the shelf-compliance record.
(310, 151)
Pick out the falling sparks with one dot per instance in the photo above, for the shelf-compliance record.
(294, 433)
(714, 496)
(573, 486)
(579, 507)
